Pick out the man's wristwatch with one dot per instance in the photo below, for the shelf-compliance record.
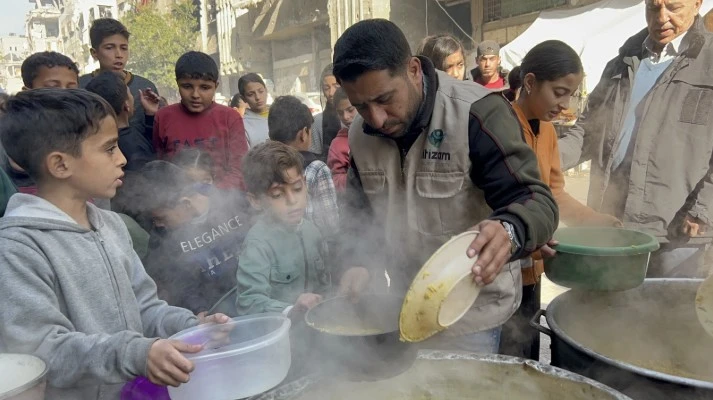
(514, 242)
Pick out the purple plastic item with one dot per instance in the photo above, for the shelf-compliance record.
(142, 389)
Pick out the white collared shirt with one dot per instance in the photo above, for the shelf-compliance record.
(669, 52)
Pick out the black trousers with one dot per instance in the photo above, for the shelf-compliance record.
(518, 338)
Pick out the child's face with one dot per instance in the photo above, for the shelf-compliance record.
(113, 53)
(199, 175)
(256, 97)
(196, 94)
(346, 112)
(97, 172)
(172, 218)
(56, 77)
(284, 202)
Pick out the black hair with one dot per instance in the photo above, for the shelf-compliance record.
(102, 28)
(197, 65)
(235, 101)
(111, 87)
(49, 59)
(288, 115)
(514, 84)
(40, 121)
(166, 183)
(267, 163)
(249, 78)
(194, 158)
(515, 78)
(438, 48)
(551, 60)
(370, 45)
(340, 95)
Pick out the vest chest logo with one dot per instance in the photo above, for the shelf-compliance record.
(435, 139)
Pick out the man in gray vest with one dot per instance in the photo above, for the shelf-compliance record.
(432, 157)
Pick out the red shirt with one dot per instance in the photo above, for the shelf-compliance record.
(499, 84)
(338, 159)
(218, 130)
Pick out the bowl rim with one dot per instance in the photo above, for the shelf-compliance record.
(32, 382)
(244, 347)
(652, 244)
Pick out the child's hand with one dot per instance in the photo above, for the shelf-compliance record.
(305, 302)
(166, 365)
(150, 101)
(218, 318)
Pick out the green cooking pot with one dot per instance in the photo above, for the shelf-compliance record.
(604, 259)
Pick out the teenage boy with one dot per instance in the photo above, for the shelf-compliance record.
(73, 292)
(110, 47)
(133, 143)
(197, 232)
(282, 266)
(47, 69)
(290, 122)
(197, 121)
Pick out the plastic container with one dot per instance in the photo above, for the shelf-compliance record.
(600, 259)
(22, 377)
(242, 358)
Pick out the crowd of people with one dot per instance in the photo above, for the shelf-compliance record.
(126, 219)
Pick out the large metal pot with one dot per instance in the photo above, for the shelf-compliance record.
(22, 377)
(645, 342)
(440, 375)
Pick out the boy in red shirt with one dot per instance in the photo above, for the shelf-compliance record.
(197, 121)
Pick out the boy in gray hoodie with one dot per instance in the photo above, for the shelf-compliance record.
(73, 291)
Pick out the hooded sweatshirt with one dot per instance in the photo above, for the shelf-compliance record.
(79, 299)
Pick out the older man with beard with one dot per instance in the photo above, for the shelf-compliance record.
(648, 131)
(432, 157)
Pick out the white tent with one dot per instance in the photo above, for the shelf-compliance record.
(596, 32)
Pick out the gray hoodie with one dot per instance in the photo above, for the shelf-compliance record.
(79, 299)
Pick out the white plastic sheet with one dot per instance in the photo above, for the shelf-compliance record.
(596, 32)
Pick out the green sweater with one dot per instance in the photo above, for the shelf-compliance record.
(278, 264)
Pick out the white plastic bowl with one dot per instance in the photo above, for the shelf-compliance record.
(255, 358)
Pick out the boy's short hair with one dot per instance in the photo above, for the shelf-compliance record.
(163, 184)
(37, 122)
(249, 78)
(50, 59)
(197, 65)
(102, 28)
(340, 95)
(288, 115)
(266, 164)
(111, 87)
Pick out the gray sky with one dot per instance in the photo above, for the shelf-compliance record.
(12, 16)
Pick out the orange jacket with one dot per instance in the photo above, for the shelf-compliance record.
(572, 212)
